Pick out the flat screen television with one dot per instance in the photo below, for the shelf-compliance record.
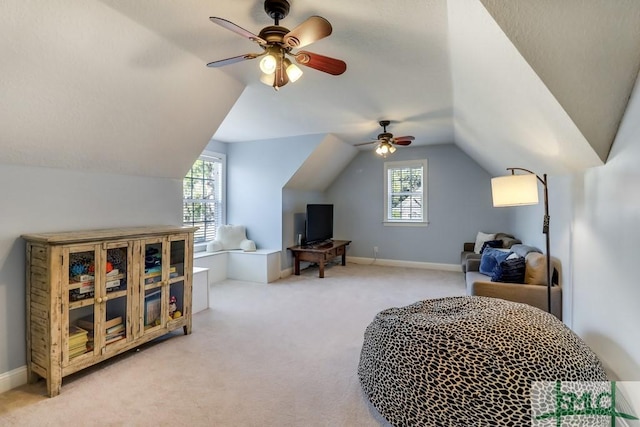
(319, 226)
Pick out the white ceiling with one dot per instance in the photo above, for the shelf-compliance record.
(397, 67)
(121, 86)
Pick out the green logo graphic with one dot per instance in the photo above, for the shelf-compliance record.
(579, 404)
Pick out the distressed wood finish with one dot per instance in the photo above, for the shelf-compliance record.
(49, 307)
(320, 254)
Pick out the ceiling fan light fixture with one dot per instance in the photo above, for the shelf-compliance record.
(268, 79)
(383, 149)
(268, 64)
(392, 149)
(293, 71)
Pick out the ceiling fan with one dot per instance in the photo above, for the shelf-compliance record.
(386, 141)
(278, 42)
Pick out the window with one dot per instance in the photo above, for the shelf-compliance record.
(405, 197)
(203, 195)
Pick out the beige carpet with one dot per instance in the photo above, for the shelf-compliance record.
(282, 354)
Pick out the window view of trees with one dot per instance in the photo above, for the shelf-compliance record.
(405, 193)
(202, 194)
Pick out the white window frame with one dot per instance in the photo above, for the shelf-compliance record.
(403, 164)
(222, 201)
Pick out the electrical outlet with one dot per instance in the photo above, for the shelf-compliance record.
(375, 250)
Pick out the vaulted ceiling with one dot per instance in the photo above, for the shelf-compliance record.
(121, 86)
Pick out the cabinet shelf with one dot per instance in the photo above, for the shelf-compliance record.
(116, 294)
(78, 285)
(81, 303)
(155, 285)
(109, 308)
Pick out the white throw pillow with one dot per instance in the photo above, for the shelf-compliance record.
(480, 239)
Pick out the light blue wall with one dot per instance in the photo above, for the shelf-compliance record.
(459, 205)
(257, 171)
(294, 202)
(594, 233)
(38, 200)
(217, 146)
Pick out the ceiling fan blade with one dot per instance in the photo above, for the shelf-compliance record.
(364, 143)
(405, 138)
(311, 30)
(237, 29)
(228, 61)
(321, 63)
(402, 142)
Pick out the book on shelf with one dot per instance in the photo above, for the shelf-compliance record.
(75, 345)
(157, 271)
(152, 308)
(78, 341)
(84, 288)
(87, 322)
(76, 331)
(115, 329)
(152, 279)
(114, 338)
(113, 272)
(77, 352)
(82, 278)
(112, 284)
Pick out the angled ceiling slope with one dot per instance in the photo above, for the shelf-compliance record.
(84, 87)
(585, 51)
(505, 115)
(323, 166)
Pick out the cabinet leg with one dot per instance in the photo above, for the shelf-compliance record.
(344, 258)
(31, 376)
(186, 329)
(321, 269)
(53, 387)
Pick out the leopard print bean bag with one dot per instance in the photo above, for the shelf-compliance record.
(467, 361)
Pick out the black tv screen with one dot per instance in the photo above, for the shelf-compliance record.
(319, 223)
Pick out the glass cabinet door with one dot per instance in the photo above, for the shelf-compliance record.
(79, 302)
(153, 296)
(115, 295)
(176, 278)
(97, 295)
(164, 296)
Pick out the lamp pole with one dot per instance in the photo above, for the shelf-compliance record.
(545, 228)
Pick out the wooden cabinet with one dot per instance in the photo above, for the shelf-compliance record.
(94, 294)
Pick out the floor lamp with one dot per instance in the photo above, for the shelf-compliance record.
(521, 190)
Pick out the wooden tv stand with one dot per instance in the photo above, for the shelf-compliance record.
(319, 253)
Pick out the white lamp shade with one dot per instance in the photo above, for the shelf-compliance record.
(293, 72)
(268, 64)
(514, 190)
(268, 79)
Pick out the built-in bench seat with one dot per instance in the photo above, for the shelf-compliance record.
(261, 265)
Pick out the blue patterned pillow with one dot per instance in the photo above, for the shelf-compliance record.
(491, 257)
(509, 271)
(491, 244)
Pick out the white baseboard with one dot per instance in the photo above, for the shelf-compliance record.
(409, 264)
(13, 379)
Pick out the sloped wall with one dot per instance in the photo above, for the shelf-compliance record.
(606, 291)
(86, 88)
(48, 200)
